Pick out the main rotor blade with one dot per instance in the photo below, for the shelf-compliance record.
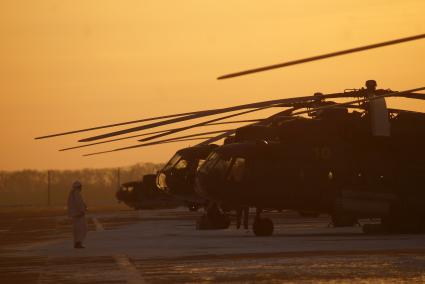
(398, 111)
(200, 114)
(391, 94)
(285, 112)
(150, 133)
(112, 140)
(201, 124)
(235, 121)
(323, 56)
(218, 137)
(233, 131)
(210, 140)
(178, 130)
(159, 142)
(418, 96)
(113, 125)
(171, 141)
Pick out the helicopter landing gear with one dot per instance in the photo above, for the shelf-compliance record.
(262, 227)
(213, 219)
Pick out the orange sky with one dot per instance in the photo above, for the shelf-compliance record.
(74, 64)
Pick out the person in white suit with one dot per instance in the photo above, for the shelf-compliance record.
(77, 211)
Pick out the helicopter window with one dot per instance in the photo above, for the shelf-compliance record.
(161, 181)
(200, 163)
(209, 162)
(222, 166)
(172, 162)
(237, 170)
(182, 164)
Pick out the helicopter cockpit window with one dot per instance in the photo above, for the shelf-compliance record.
(127, 188)
(222, 166)
(200, 163)
(237, 170)
(172, 162)
(161, 181)
(209, 162)
(182, 164)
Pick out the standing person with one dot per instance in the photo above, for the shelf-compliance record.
(77, 211)
(243, 210)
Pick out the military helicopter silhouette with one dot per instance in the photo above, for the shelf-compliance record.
(281, 134)
(142, 194)
(177, 177)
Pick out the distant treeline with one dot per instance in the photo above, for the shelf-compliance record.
(31, 187)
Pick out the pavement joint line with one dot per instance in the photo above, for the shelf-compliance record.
(97, 224)
(133, 275)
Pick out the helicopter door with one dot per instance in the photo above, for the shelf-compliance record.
(236, 172)
(314, 179)
(318, 176)
(235, 177)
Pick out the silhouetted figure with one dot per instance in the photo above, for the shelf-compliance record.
(239, 212)
(77, 211)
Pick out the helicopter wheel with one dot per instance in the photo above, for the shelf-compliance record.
(263, 227)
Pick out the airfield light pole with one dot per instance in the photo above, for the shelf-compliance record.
(118, 178)
(48, 188)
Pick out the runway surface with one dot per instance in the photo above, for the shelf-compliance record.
(163, 246)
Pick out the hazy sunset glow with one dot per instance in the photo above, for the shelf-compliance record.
(75, 64)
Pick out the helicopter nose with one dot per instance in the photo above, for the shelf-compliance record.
(161, 181)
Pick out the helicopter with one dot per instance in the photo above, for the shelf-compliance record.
(177, 177)
(144, 195)
(267, 139)
(173, 186)
(330, 163)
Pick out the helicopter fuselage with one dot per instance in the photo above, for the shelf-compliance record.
(331, 163)
(144, 195)
(178, 175)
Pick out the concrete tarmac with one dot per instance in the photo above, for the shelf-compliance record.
(162, 246)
